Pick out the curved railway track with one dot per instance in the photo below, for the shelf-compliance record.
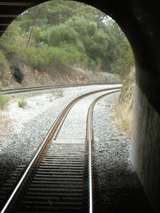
(89, 144)
(59, 183)
(25, 89)
(41, 88)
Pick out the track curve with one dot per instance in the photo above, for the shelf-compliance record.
(38, 158)
(47, 87)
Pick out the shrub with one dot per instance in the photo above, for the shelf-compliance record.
(3, 63)
(4, 100)
(17, 74)
(2, 59)
(22, 103)
(40, 58)
(62, 33)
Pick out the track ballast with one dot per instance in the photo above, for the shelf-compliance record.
(56, 182)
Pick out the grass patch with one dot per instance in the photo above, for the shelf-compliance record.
(22, 103)
(4, 100)
(123, 111)
(123, 116)
(58, 93)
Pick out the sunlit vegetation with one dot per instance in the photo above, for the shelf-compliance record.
(66, 33)
(123, 111)
(4, 100)
(22, 103)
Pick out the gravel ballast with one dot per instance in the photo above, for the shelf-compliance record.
(29, 126)
(117, 186)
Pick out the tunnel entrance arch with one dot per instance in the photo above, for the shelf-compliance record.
(140, 22)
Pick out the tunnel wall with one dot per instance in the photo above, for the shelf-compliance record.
(140, 20)
(146, 148)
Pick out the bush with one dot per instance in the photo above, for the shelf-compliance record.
(4, 100)
(40, 58)
(3, 63)
(2, 59)
(17, 73)
(40, 36)
(62, 33)
(22, 103)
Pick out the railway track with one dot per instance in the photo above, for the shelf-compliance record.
(41, 88)
(23, 90)
(59, 177)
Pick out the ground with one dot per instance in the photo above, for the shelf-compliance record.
(117, 186)
(54, 76)
(26, 127)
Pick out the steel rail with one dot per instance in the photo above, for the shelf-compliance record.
(25, 89)
(51, 135)
(89, 142)
(39, 88)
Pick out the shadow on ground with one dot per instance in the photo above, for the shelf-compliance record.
(122, 192)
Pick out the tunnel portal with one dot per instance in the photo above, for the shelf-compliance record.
(140, 21)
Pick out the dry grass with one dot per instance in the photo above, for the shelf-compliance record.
(123, 116)
(4, 100)
(22, 103)
(123, 111)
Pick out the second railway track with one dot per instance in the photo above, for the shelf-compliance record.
(59, 177)
(43, 88)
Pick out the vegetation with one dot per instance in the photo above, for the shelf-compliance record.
(66, 33)
(22, 103)
(3, 63)
(2, 59)
(4, 100)
(123, 112)
(17, 74)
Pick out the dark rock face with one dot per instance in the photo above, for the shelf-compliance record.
(140, 20)
(117, 187)
(146, 156)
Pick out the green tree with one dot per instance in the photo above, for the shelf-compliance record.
(70, 33)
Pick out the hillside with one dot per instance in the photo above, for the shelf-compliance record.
(62, 38)
(25, 76)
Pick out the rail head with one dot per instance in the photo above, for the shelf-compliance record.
(51, 135)
(50, 87)
(89, 145)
